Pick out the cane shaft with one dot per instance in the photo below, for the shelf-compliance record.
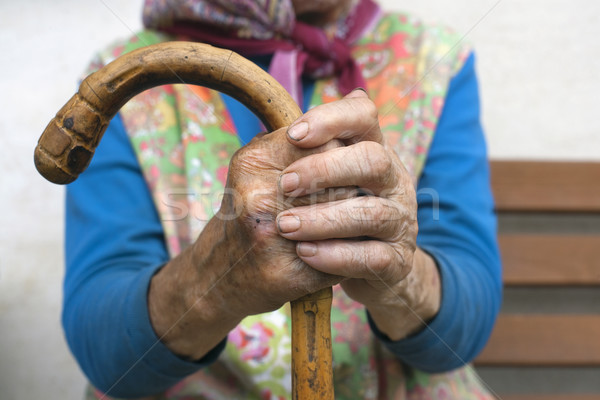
(70, 139)
(312, 376)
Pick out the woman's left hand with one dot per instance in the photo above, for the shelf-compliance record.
(371, 239)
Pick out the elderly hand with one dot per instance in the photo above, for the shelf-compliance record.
(239, 265)
(257, 253)
(370, 240)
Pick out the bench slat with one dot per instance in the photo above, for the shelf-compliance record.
(549, 396)
(543, 340)
(532, 260)
(541, 259)
(546, 186)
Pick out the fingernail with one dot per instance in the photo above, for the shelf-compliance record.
(288, 223)
(298, 131)
(289, 182)
(361, 88)
(306, 249)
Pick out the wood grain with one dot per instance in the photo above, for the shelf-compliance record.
(546, 259)
(549, 397)
(546, 186)
(67, 145)
(550, 260)
(543, 340)
(311, 334)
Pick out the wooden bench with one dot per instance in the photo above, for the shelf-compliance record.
(546, 343)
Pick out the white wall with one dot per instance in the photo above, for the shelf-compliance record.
(538, 61)
(539, 66)
(45, 46)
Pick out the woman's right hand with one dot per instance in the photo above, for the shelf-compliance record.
(239, 265)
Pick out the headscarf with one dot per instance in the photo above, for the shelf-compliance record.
(259, 27)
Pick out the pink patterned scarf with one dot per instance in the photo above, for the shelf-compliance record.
(259, 27)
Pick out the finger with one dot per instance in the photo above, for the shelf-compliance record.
(367, 165)
(369, 216)
(323, 196)
(369, 259)
(294, 279)
(352, 119)
(273, 152)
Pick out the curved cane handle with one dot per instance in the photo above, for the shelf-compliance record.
(68, 143)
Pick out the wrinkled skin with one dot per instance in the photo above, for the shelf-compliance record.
(319, 203)
(254, 199)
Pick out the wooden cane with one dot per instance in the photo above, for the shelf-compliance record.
(68, 143)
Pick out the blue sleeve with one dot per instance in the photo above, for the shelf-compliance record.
(105, 313)
(457, 227)
(114, 245)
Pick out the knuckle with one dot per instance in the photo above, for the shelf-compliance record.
(376, 158)
(380, 260)
(405, 264)
(386, 222)
(247, 160)
(377, 217)
(405, 229)
(236, 159)
(370, 109)
(408, 186)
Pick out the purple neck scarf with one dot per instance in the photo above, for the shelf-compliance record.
(259, 27)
